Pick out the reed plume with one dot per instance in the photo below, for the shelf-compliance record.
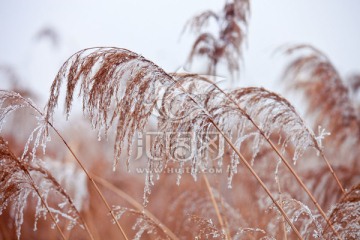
(119, 87)
(22, 180)
(226, 44)
(127, 88)
(345, 215)
(328, 96)
(245, 185)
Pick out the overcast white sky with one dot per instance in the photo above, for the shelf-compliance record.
(152, 28)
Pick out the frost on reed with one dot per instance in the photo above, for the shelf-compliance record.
(308, 222)
(123, 88)
(28, 177)
(144, 226)
(118, 87)
(249, 115)
(186, 208)
(11, 102)
(345, 216)
(25, 179)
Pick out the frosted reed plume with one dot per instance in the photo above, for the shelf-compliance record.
(25, 179)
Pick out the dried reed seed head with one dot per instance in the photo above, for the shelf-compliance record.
(121, 87)
(199, 21)
(21, 180)
(144, 226)
(237, 9)
(193, 203)
(231, 110)
(116, 85)
(309, 223)
(226, 45)
(345, 216)
(10, 102)
(329, 101)
(206, 228)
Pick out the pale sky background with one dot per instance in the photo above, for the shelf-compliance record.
(153, 28)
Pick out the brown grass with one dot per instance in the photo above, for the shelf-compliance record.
(274, 179)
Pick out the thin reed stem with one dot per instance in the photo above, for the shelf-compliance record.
(248, 166)
(333, 172)
(216, 207)
(32, 182)
(92, 182)
(86, 172)
(135, 204)
(290, 168)
(281, 203)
